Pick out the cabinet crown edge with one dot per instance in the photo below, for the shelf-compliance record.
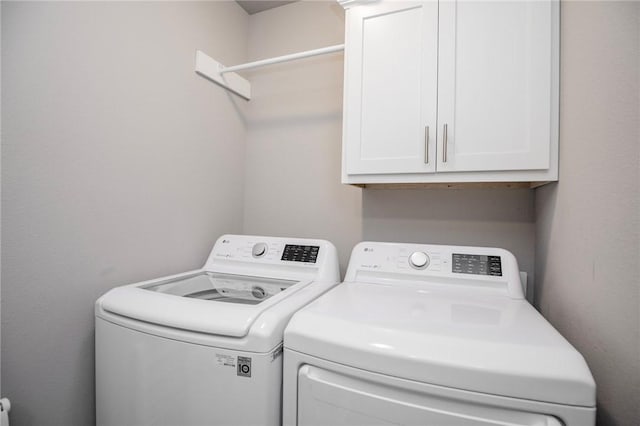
(350, 3)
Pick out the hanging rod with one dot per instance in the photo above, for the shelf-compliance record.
(214, 70)
(284, 58)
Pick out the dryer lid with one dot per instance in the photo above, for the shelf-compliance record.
(453, 338)
(206, 302)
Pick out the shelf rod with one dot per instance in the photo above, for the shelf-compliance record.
(285, 58)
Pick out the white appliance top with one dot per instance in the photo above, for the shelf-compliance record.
(444, 315)
(247, 281)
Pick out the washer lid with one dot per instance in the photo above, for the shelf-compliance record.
(206, 302)
(453, 338)
(223, 288)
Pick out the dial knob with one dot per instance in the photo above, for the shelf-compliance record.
(419, 260)
(259, 250)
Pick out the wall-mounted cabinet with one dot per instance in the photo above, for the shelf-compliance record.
(450, 92)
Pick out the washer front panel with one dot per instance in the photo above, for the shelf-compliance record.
(142, 379)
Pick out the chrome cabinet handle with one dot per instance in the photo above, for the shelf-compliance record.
(426, 145)
(444, 144)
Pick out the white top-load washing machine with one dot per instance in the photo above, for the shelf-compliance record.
(431, 335)
(205, 347)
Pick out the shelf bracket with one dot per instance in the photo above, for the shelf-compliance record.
(210, 69)
(227, 78)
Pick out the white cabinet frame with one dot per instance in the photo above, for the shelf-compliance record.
(533, 159)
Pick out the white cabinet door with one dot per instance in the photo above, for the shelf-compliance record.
(391, 88)
(496, 85)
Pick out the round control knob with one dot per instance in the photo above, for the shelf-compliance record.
(259, 250)
(258, 292)
(419, 260)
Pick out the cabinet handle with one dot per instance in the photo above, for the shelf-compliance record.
(426, 145)
(444, 144)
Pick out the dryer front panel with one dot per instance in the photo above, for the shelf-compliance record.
(319, 392)
(327, 398)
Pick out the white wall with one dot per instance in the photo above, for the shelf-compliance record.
(119, 164)
(588, 225)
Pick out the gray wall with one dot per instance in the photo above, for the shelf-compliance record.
(294, 130)
(588, 225)
(294, 139)
(119, 164)
(1, 393)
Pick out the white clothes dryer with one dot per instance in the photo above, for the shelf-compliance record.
(431, 335)
(205, 347)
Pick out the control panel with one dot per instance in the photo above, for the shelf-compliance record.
(272, 250)
(476, 264)
(287, 258)
(299, 253)
(389, 257)
(384, 262)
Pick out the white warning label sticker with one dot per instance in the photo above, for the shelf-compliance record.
(277, 352)
(226, 360)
